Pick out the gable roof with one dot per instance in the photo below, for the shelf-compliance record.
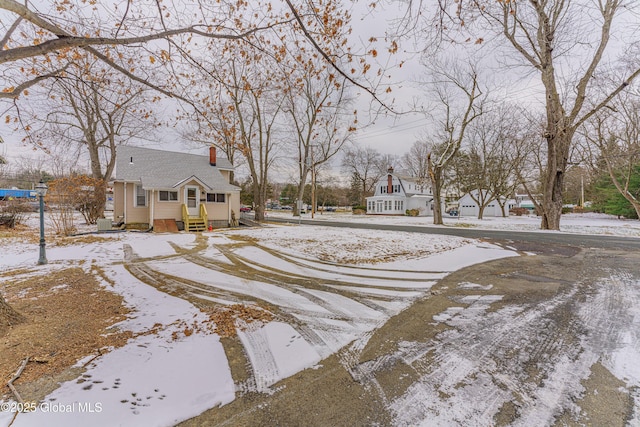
(404, 181)
(158, 169)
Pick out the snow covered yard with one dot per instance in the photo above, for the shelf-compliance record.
(585, 223)
(320, 290)
(175, 366)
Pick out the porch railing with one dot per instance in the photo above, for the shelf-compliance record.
(203, 214)
(185, 216)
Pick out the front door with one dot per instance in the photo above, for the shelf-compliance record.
(192, 199)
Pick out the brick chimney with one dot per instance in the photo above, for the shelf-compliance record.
(389, 180)
(212, 155)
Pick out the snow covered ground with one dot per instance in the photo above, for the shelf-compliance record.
(330, 287)
(586, 223)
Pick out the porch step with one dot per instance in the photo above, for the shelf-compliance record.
(197, 224)
(165, 225)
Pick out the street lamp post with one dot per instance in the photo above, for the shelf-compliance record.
(41, 190)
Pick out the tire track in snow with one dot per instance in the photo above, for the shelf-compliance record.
(265, 369)
(319, 330)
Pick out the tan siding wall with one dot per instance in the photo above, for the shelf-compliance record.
(217, 211)
(136, 214)
(168, 210)
(118, 201)
(235, 203)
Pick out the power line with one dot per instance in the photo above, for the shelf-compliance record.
(392, 130)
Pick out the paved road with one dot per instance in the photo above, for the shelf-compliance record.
(537, 237)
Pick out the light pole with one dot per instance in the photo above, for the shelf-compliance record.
(41, 190)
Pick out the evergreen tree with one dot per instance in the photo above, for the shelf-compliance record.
(609, 200)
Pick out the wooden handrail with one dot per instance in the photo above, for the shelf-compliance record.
(185, 216)
(203, 214)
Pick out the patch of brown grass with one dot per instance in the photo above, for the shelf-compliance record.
(68, 315)
(78, 240)
(21, 233)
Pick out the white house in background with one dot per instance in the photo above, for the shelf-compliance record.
(394, 195)
(170, 191)
(469, 207)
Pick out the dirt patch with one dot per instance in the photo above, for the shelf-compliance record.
(226, 318)
(605, 401)
(67, 315)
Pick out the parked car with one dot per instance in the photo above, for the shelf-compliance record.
(453, 212)
(245, 209)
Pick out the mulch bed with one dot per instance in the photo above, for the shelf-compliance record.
(67, 316)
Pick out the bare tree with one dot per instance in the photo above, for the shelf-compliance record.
(548, 37)
(90, 111)
(317, 110)
(253, 87)
(488, 167)
(111, 31)
(218, 127)
(365, 166)
(451, 85)
(414, 162)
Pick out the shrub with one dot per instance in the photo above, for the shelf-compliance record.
(519, 211)
(13, 212)
(412, 212)
(359, 210)
(77, 192)
(566, 210)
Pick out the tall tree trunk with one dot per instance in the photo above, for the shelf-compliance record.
(435, 174)
(96, 169)
(480, 211)
(259, 200)
(558, 143)
(299, 197)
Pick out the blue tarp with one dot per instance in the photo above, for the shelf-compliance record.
(6, 193)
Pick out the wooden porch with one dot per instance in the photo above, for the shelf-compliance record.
(195, 223)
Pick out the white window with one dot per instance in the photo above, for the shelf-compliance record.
(168, 196)
(141, 196)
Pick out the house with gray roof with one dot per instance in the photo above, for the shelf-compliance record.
(395, 194)
(170, 190)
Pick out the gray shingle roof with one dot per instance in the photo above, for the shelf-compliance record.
(158, 169)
